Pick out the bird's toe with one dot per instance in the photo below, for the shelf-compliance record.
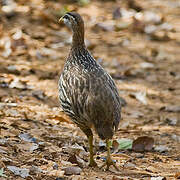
(92, 163)
(108, 163)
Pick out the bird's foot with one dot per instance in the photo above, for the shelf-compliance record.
(108, 163)
(92, 163)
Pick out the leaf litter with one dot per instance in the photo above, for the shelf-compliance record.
(139, 44)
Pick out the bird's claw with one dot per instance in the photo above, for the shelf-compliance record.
(108, 163)
(92, 163)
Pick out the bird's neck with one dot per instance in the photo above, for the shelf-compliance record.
(78, 39)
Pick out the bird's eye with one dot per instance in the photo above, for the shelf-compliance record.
(66, 17)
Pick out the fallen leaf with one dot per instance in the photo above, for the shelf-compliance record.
(142, 144)
(133, 5)
(171, 121)
(23, 172)
(165, 26)
(149, 29)
(150, 16)
(6, 160)
(6, 43)
(35, 169)
(3, 150)
(177, 175)
(57, 173)
(161, 148)
(16, 83)
(74, 159)
(17, 35)
(2, 173)
(13, 69)
(117, 178)
(2, 105)
(39, 94)
(72, 170)
(137, 155)
(158, 178)
(129, 165)
(173, 108)
(74, 149)
(160, 36)
(34, 147)
(117, 13)
(141, 96)
(27, 137)
(175, 137)
(138, 25)
(12, 113)
(122, 144)
(104, 26)
(126, 13)
(136, 114)
(146, 65)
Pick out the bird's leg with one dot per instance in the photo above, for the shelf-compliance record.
(109, 161)
(89, 135)
(92, 162)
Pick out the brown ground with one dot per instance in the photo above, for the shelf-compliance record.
(33, 47)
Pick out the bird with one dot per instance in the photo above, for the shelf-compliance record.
(87, 93)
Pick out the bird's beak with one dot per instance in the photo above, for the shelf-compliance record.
(61, 19)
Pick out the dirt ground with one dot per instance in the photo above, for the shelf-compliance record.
(137, 42)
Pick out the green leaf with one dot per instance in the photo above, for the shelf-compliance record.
(2, 173)
(122, 143)
(125, 143)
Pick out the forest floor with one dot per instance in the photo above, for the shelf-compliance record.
(137, 42)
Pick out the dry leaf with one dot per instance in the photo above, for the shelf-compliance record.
(177, 175)
(116, 13)
(27, 137)
(72, 170)
(23, 172)
(161, 148)
(74, 159)
(56, 173)
(158, 178)
(173, 108)
(142, 144)
(141, 96)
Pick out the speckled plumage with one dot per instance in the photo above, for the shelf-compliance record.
(87, 92)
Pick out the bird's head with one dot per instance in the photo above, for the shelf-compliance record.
(73, 20)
